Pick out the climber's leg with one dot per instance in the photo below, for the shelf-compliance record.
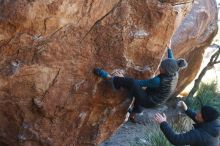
(135, 90)
(142, 100)
(124, 82)
(141, 97)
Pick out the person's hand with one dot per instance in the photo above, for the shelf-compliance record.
(182, 105)
(169, 44)
(160, 118)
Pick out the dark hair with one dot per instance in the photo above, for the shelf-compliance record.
(209, 113)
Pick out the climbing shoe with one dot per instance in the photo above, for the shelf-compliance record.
(130, 110)
(132, 118)
(101, 73)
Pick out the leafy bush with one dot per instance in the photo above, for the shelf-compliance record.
(157, 138)
(207, 94)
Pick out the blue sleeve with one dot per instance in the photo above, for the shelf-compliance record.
(188, 138)
(191, 114)
(170, 53)
(154, 82)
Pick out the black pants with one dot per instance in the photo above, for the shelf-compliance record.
(141, 97)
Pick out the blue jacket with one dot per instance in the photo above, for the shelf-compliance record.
(203, 134)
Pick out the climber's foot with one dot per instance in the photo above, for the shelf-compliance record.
(132, 118)
(102, 73)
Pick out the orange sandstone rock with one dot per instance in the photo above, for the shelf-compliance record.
(48, 93)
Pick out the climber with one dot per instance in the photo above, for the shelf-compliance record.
(158, 90)
(206, 131)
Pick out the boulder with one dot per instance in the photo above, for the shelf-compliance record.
(48, 92)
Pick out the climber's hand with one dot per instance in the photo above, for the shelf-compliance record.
(169, 44)
(182, 105)
(160, 118)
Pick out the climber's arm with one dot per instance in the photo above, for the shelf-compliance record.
(170, 53)
(153, 82)
(188, 138)
(169, 50)
(190, 113)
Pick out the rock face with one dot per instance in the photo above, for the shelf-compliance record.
(193, 36)
(48, 93)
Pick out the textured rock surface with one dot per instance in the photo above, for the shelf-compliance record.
(48, 93)
(193, 36)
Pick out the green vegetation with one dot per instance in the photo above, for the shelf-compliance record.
(157, 138)
(207, 94)
(153, 137)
